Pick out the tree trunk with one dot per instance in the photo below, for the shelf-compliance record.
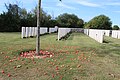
(38, 28)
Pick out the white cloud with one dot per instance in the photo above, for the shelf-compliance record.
(117, 11)
(65, 6)
(101, 3)
(114, 4)
(86, 3)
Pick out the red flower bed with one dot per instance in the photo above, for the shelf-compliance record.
(32, 54)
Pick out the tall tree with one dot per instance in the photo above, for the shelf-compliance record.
(45, 18)
(80, 23)
(99, 22)
(23, 17)
(38, 28)
(115, 27)
(69, 20)
(12, 17)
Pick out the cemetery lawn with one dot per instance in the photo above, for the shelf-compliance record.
(77, 58)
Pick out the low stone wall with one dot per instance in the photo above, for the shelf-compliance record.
(77, 30)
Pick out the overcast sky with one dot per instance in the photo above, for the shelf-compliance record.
(85, 9)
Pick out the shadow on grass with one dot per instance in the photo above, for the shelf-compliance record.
(107, 41)
(70, 37)
(67, 37)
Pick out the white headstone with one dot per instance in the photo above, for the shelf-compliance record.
(27, 32)
(62, 32)
(30, 31)
(23, 32)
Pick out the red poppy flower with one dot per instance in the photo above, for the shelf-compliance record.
(57, 68)
(3, 72)
(9, 75)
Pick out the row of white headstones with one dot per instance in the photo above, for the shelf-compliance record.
(96, 34)
(32, 31)
(64, 31)
(116, 34)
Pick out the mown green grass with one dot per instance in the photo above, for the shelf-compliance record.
(78, 58)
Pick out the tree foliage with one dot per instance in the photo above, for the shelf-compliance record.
(115, 27)
(99, 22)
(69, 20)
(16, 17)
(10, 20)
